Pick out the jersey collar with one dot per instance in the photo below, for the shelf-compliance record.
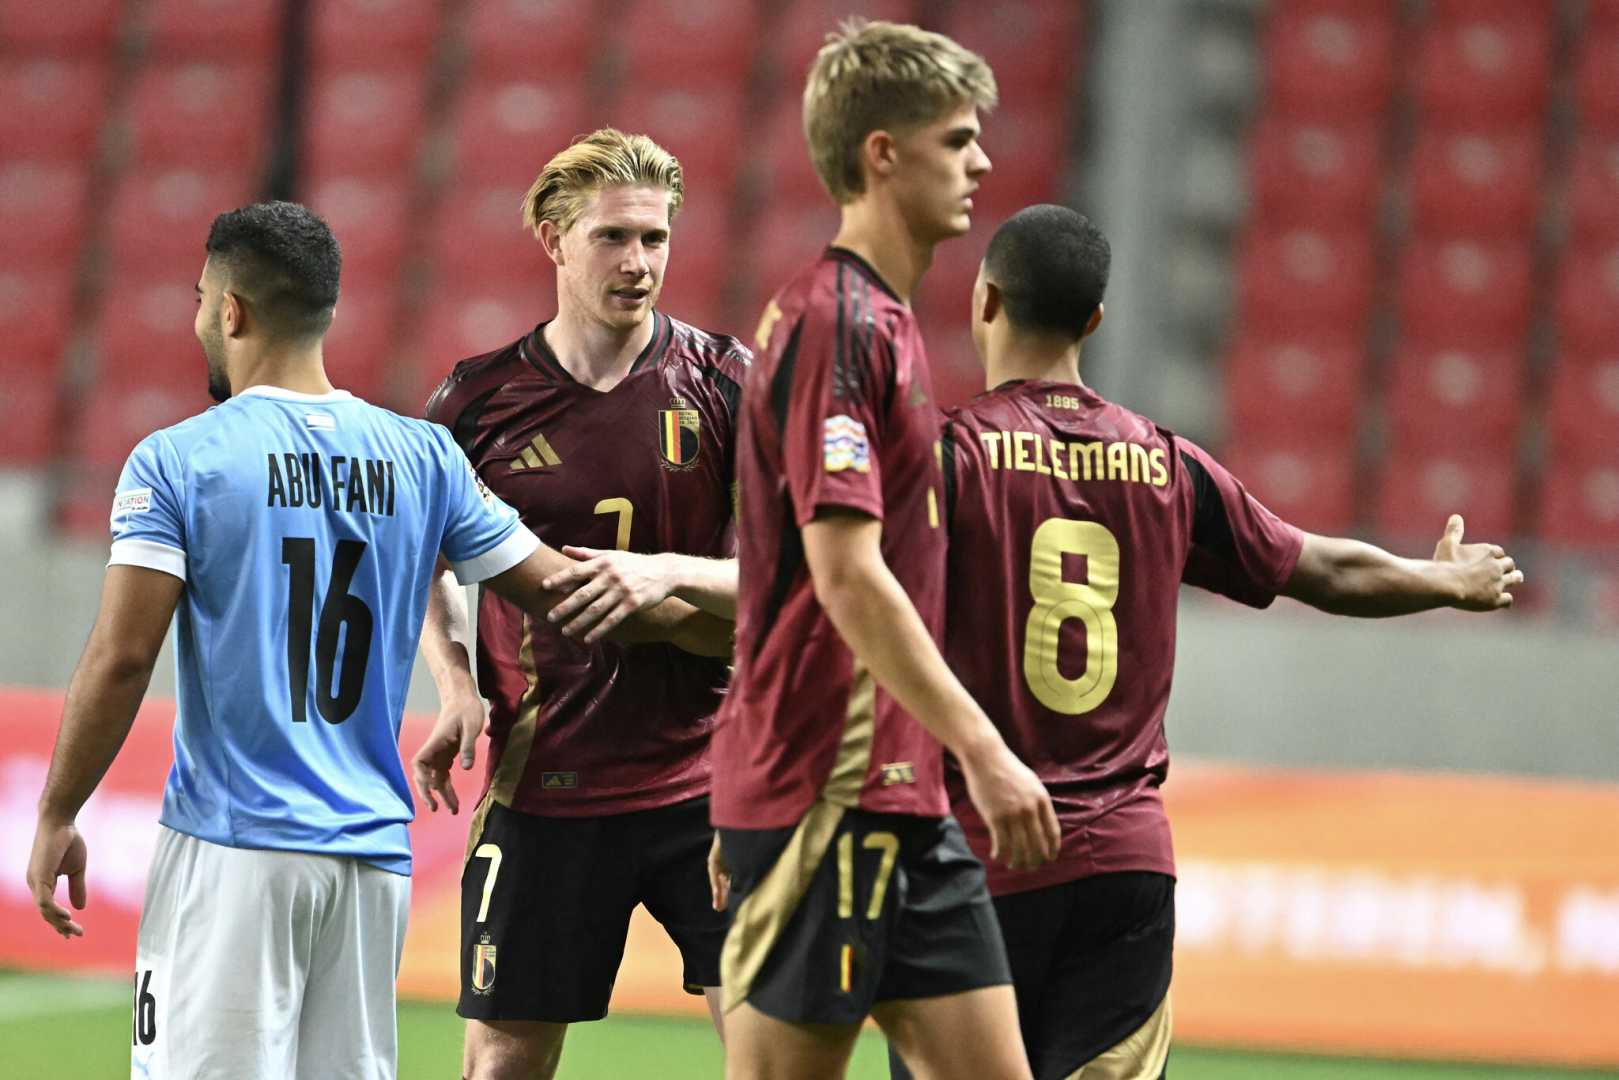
(281, 393)
(540, 357)
(864, 267)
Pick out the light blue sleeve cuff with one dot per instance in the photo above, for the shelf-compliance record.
(517, 546)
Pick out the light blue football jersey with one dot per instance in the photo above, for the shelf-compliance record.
(306, 530)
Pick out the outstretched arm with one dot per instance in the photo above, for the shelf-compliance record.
(1348, 577)
(612, 581)
(136, 606)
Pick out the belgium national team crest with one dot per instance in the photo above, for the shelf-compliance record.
(483, 966)
(679, 430)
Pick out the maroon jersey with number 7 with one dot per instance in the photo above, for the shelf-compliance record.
(837, 415)
(1073, 522)
(585, 730)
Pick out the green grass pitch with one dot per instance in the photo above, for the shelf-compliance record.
(53, 1027)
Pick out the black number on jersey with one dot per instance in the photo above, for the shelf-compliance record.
(145, 1025)
(341, 608)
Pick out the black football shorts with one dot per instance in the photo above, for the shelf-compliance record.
(853, 908)
(1091, 963)
(546, 903)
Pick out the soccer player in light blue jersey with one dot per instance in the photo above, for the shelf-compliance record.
(295, 529)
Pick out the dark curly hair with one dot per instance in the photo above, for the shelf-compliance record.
(284, 260)
(1051, 265)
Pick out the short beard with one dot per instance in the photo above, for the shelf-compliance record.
(218, 385)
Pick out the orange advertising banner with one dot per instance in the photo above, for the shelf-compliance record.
(1422, 915)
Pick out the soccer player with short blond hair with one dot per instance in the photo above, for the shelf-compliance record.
(610, 425)
(851, 890)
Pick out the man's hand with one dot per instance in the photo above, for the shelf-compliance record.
(1484, 571)
(606, 588)
(459, 724)
(1023, 829)
(719, 875)
(58, 850)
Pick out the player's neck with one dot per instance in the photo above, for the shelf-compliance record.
(1034, 362)
(879, 235)
(302, 370)
(596, 355)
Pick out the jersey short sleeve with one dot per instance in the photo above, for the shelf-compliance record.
(482, 535)
(148, 517)
(832, 441)
(1239, 548)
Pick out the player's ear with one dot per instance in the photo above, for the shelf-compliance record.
(551, 240)
(232, 314)
(991, 308)
(878, 153)
(1092, 323)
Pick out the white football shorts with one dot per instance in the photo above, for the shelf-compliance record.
(266, 965)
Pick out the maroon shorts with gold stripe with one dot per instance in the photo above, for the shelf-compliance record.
(852, 908)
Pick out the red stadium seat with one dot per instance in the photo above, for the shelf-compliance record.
(1032, 46)
(245, 29)
(503, 38)
(804, 25)
(394, 34)
(789, 236)
(1304, 173)
(784, 169)
(146, 335)
(1580, 505)
(1308, 482)
(358, 348)
(115, 418)
(702, 128)
(479, 239)
(1582, 409)
(1602, 14)
(701, 255)
(53, 107)
(363, 123)
(42, 213)
(1028, 150)
(36, 310)
(689, 44)
(462, 323)
(1296, 388)
(1593, 190)
(160, 220)
(953, 363)
(1466, 294)
(1484, 73)
(1448, 11)
(367, 215)
(1476, 185)
(506, 132)
(202, 116)
(1596, 82)
(1423, 484)
(1305, 281)
(1453, 399)
(28, 421)
(1588, 299)
(1335, 63)
(28, 27)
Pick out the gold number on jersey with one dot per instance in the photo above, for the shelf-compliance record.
(767, 323)
(492, 853)
(1056, 601)
(888, 844)
(626, 514)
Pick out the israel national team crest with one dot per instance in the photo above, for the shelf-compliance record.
(483, 966)
(679, 430)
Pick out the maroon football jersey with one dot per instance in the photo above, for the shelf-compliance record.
(837, 413)
(1072, 523)
(648, 466)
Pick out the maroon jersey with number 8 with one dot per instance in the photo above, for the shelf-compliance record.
(647, 466)
(1073, 522)
(837, 414)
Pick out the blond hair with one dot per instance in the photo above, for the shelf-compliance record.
(878, 76)
(605, 158)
